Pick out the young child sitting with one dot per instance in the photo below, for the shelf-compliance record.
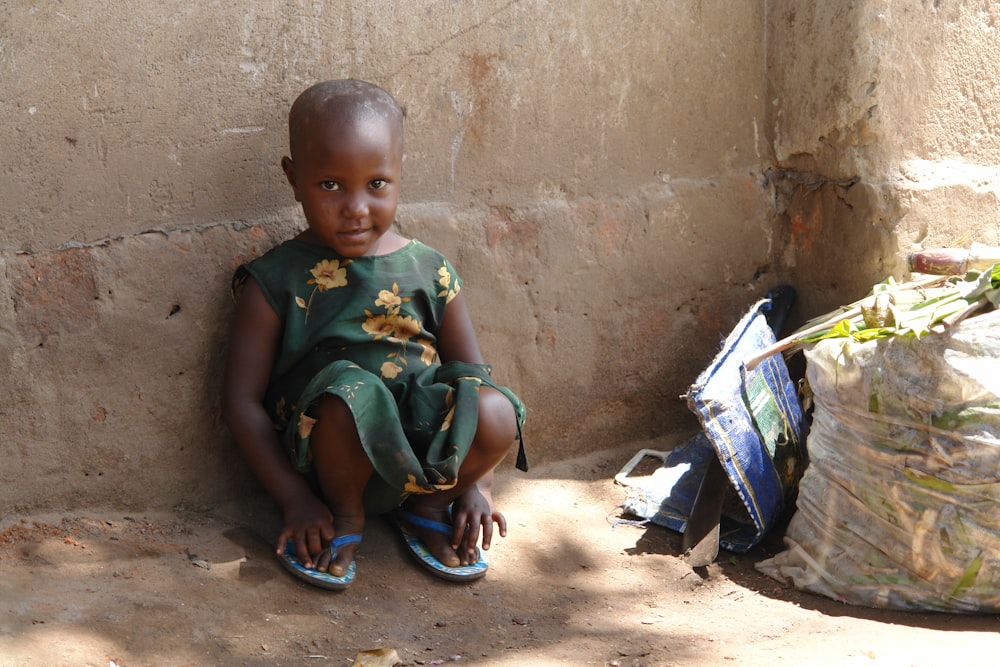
(354, 383)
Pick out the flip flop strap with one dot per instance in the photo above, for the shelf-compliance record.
(343, 540)
(430, 524)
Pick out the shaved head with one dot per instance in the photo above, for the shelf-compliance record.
(344, 103)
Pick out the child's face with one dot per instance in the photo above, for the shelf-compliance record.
(348, 184)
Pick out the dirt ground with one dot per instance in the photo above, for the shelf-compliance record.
(566, 587)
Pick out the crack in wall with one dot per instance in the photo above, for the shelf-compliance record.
(237, 226)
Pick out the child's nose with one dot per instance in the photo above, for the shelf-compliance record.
(355, 206)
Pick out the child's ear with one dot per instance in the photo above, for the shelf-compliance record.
(289, 168)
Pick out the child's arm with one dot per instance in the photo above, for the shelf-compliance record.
(457, 338)
(255, 334)
(475, 508)
(472, 509)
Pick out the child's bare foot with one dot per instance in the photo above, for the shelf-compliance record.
(342, 559)
(439, 544)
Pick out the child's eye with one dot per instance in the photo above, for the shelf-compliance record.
(378, 184)
(329, 186)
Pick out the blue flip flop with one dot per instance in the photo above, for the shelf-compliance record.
(322, 579)
(422, 554)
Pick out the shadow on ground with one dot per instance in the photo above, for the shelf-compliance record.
(568, 586)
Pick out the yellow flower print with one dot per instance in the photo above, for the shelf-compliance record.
(387, 299)
(395, 328)
(392, 327)
(411, 486)
(448, 419)
(327, 275)
(306, 424)
(429, 355)
(445, 282)
(391, 370)
(379, 326)
(391, 301)
(405, 327)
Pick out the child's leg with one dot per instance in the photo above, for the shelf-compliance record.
(495, 434)
(343, 469)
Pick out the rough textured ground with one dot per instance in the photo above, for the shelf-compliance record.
(565, 587)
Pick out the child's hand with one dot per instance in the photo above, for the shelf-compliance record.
(309, 524)
(471, 512)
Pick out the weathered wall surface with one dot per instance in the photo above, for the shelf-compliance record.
(945, 109)
(616, 181)
(596, 170)
(884, 122)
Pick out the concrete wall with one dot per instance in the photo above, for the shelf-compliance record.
(615, 180)
(885, 122)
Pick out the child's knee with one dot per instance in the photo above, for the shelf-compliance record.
(333, 410)
(497, 419)
(334, 429)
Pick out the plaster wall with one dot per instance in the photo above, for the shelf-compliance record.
(884, 124)
(585, 165)
(615, 180)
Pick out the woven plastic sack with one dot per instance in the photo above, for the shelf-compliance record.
(899, 505)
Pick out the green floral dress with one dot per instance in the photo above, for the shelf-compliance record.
(365, 329)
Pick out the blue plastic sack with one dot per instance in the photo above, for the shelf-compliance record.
(751, 421)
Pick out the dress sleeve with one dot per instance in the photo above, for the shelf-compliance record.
(238, 282)
(448, 282)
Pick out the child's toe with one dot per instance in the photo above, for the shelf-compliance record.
(339, 565)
